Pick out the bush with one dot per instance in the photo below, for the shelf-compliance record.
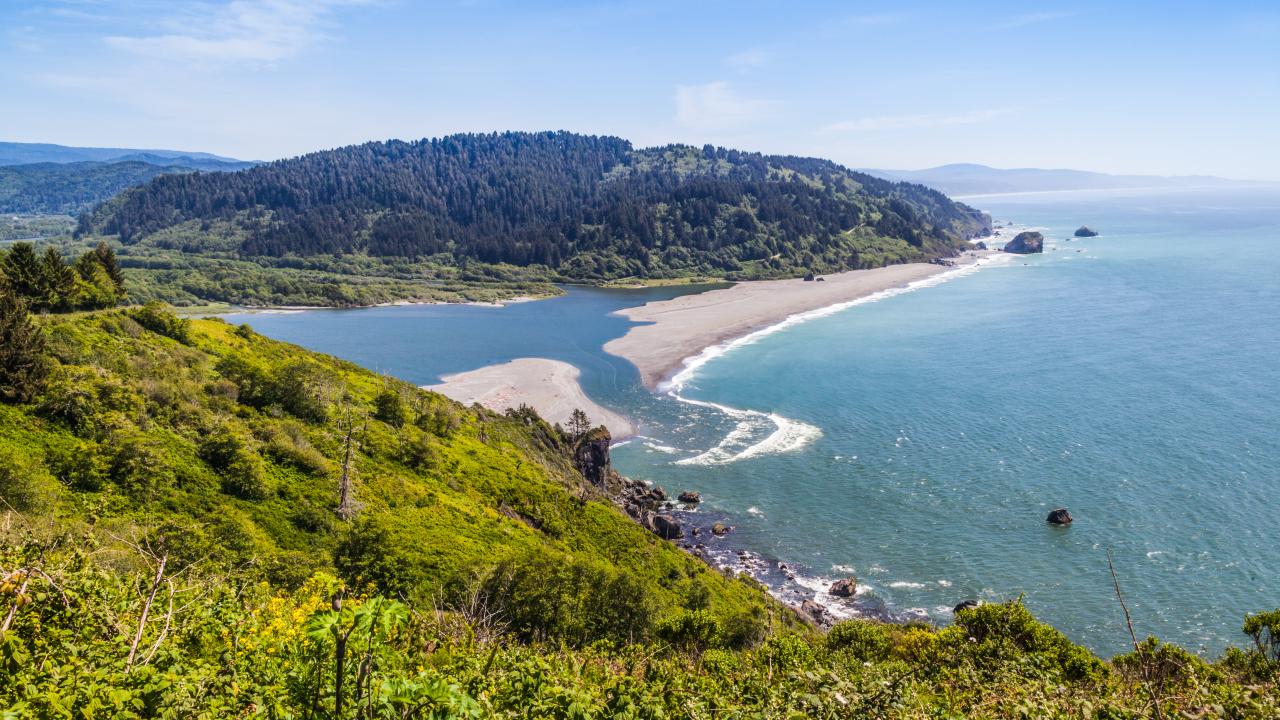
(89, 401)
(238, 465)
(578, 601)
(1001, 632)
(691, 630)
(159, 318)
(389, 407)
(24, 484)
(866, 641)
(368, 556)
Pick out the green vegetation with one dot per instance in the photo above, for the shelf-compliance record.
(46, 283)
(545, 207)
(202, 522)
(33, 227)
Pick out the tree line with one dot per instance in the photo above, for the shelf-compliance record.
(48, 283)
(559, 200)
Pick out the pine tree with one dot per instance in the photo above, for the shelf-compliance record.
(107, 258)
(579, 424)
(58, 281)
(21, 267)
(23, 366)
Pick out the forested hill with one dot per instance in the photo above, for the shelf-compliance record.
(587, 207)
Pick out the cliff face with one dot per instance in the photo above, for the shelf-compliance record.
(591, 456)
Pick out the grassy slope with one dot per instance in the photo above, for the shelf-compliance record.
(445, 522)
(143, 405)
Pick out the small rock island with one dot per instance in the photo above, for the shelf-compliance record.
(1086, 231)
(1026, 243)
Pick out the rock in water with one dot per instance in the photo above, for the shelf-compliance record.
(690, 497)
(1059, 516)
(1025, 243)
(844, 588)
(720, 529)
(1086, 231)
(966, 605)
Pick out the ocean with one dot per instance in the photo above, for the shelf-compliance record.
(918, 440)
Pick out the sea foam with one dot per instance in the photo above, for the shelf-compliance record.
(788, 434)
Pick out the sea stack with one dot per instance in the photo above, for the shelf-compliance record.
(1086, 231)
(1026, 243)
(1059, 516)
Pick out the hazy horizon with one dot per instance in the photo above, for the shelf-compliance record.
(1079, 85)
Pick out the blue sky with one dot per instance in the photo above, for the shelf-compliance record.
(1151, 87)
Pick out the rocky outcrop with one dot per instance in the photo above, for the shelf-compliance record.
(664, 526)
(1026, 243)
(966, 605)
(1059, 516)
(816, 613)
(844, 588)
(979, 246)
(591, 456)
(689, 497)
(1086, 231)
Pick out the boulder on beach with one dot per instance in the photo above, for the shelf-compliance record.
(845, 587)
(1025, 243)
(1059, 516)
(808, 277)
(979, 245)
(966, 605)
(689, 497)
(1086, 231)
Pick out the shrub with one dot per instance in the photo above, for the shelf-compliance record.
(1005, 631)
(389, 407)
(160, 319)
(238, 465)
(866, 641)
(578, 601)
(368, 556)
(89, 401)
(24, 484)
(691, 630)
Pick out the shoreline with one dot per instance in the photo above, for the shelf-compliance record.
(549, 386)
(682, 333)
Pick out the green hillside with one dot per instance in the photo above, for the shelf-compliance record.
(178, 541)
(558, 205)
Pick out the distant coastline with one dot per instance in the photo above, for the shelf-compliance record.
(680, 330)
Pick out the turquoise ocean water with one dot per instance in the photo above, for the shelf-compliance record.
(918, 441)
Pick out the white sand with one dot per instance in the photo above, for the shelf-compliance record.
(548, 386)
(682, 327)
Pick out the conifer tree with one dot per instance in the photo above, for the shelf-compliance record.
(107, 258)
(23, 366)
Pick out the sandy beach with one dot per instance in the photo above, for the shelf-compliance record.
(549, 386)
(682, 327)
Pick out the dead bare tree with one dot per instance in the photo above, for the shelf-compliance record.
(347, 504)
(1137, 648)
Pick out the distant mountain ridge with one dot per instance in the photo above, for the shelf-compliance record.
(973, 179)
(14, 153)
(42, 179)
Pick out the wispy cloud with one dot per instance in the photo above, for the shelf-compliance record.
(912, 122)
(238, 31)
(754, 57)
(716, 105)
(1018, 21)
